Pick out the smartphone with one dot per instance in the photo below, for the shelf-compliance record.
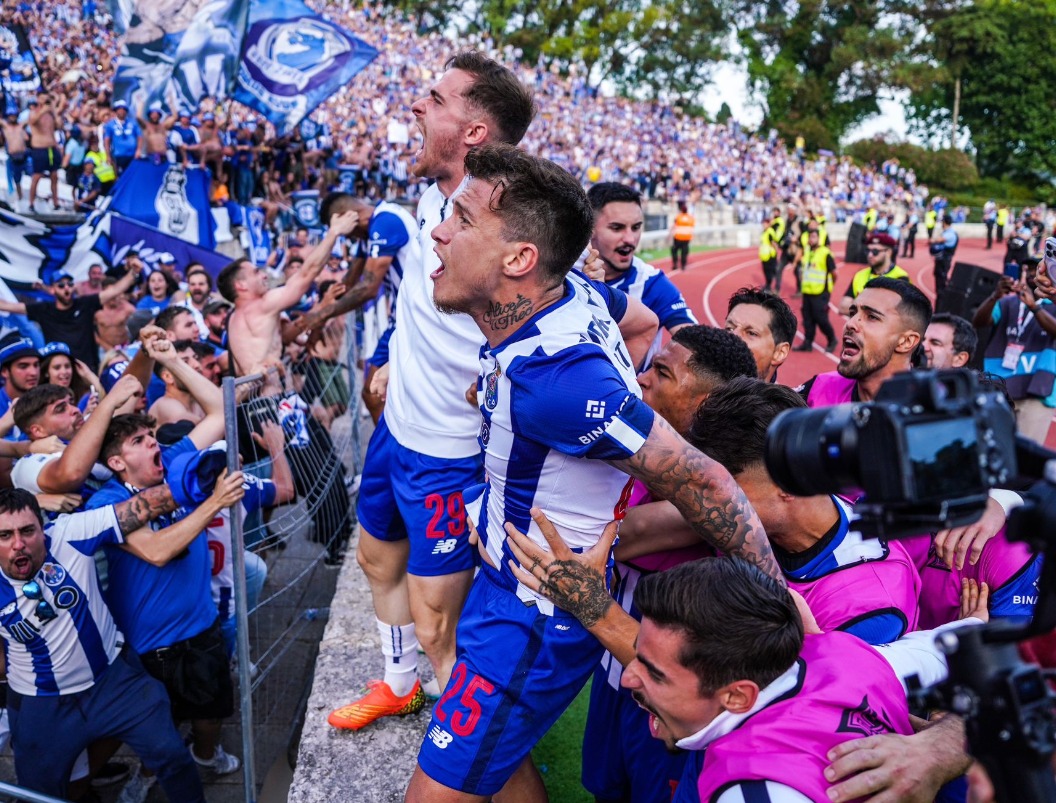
(1049, 259)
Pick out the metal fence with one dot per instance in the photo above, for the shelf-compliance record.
(279, 626)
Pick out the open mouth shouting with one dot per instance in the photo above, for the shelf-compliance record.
(851, 348)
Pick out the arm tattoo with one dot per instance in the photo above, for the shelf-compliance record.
(144, 507)
(577, 589)
(503, 316)
(704, 493)
(356, 296)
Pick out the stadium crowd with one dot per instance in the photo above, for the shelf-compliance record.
(673, 156)
(520, 407)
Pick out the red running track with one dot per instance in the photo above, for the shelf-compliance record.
(713, 276)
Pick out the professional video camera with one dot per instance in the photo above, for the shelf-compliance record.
(922, 458)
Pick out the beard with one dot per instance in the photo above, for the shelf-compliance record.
(449, 309)
(439, 150)
(863, 366)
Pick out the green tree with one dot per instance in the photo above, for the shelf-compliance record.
(662, 48)
(431, 16)
(819, 65)
(677, 47)
(992, 61)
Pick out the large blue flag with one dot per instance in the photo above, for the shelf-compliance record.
(32, 252)
(150, 244)
(183, 50)
(293, 59)
(169, 198)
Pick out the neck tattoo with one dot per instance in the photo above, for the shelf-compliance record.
(503, 316)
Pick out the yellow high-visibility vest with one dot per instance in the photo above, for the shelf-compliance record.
(816, 277)
(866, 275)
(104, 171)
(768, 244)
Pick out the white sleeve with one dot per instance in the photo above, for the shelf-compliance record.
(916, 654)
(26, 471)
(1009, 500)
(762, 792)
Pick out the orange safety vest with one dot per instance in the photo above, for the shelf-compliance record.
(684, 226)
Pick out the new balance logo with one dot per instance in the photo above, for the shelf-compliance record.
(445, 546)
(595, 409)
(440, 737)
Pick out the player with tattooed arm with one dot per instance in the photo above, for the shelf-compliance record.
(563, 425)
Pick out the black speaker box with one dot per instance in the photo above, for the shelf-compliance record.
(968, 288)
(856, 244)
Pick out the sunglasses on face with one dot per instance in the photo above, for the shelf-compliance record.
(45, 612)
(875, 250)
(64, 284)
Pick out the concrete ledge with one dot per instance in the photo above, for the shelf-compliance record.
(375, 764)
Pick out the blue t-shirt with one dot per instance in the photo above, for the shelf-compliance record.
(5, 404)
(124, 137)
(86, 185)
(158, 606)
(152, 304)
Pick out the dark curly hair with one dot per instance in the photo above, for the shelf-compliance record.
(716, 352)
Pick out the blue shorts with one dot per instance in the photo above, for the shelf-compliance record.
(404, 494)
(621, 759)
(516, 671)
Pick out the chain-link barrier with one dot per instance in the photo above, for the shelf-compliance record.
(285, 577)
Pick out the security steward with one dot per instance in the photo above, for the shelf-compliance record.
(880, 251)
(819, 268)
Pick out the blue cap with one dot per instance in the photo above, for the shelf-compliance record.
(12, 347)
(58, 276)
(120, 104)
(112, 374)
(191, 476)
(56, 347)
(208, 116)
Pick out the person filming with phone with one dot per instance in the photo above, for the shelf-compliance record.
(1022, 349)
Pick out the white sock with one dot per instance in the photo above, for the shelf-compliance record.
(399, 645)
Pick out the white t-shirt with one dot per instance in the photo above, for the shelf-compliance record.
(434, 357)
(26, 472)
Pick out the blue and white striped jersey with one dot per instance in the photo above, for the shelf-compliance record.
(558, 397)
(393, 232)
(650, 286)
(66, 654)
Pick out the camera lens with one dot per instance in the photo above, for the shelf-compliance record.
(810, 452)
